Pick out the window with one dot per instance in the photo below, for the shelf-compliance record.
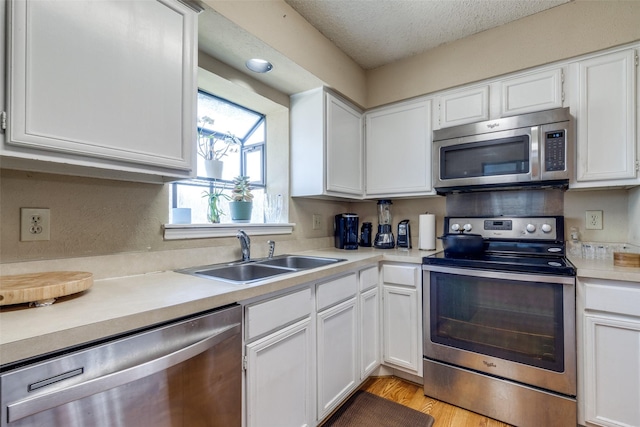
(231, 142)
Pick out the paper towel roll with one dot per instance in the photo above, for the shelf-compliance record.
(427, 232)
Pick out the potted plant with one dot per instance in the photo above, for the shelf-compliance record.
(214, 210)
(241, 202)
(212, 147)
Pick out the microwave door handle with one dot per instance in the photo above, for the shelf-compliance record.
(33, 405)
(536, 146)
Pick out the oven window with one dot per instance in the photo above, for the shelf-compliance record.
(512, 320)
(506, 156)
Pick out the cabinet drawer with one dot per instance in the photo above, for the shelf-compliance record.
(368, 278)
(334, 291)
(269, 315)
(400, 275)
(613, 296)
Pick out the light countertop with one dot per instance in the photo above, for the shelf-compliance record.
(116, 305)
(604, 269)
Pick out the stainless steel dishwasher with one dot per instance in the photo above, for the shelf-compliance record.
(185, 373)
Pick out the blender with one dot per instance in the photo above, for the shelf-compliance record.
(384, 238)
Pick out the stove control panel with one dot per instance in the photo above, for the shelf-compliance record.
(525, 228)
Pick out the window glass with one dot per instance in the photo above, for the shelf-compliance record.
(231, 142)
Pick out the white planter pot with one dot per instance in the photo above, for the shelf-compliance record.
(213, 168)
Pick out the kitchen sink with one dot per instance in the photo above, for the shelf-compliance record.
(299, 262)
(259, 269)
(242, 273)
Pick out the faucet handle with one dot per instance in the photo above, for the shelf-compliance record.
(272, 248)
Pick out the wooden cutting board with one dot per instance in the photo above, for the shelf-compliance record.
(42, 288)
(625, 259)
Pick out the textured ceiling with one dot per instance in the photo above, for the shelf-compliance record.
(378, 32)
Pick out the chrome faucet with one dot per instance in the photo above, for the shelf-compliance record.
(245, 245)
(272, 248)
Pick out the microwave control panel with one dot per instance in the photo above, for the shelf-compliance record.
(555, 148)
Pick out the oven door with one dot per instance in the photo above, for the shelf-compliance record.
(511, 325)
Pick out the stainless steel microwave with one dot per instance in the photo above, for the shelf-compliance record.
(530, 150)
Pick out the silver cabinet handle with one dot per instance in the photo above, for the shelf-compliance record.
(33, 405)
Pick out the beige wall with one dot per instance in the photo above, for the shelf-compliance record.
(615, 214)
(95, 217)
(565, 31)
(633, 225)
(92, 217)
(281, 27)
(569, 30)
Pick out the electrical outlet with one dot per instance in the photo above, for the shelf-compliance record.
(35, 224)
(317, 221)
(593, 220)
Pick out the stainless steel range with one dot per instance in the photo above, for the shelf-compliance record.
(499, 325)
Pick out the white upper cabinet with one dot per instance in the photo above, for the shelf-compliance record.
(532, 92)
(605, 100)
(102, 86)
(398, 150)
(326, 146)
(467, 105)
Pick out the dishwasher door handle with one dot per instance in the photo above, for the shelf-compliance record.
(33, 405)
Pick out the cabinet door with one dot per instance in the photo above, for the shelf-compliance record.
(401, 321)
(337, 350)
(279, 373)
(398, 150)
(464, 106)
(84, 83)
(369, 332)
(612, 371)
(532, 92)
(344, 147)
(606, 118)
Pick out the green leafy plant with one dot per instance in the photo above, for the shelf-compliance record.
(214, 210)
(241, 189)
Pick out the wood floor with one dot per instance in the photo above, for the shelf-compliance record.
(411, 395)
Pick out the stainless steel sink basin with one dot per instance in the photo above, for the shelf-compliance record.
(241, 273)
(253, 271)
(299, 262)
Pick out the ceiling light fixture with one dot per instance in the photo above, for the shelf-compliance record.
(259, 65)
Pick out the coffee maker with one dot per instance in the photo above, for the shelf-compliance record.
(384, 238)
(345, 231)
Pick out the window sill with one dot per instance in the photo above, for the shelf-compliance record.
(204, 231)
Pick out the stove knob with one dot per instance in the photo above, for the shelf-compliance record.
(531, 228)
(546, 228)
(455, 227)
(468, 227)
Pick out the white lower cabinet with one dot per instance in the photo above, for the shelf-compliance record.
(402, 317)
(369, 321)
(337, 354)
(336, 341)
(307, 350)
(279, 362)
(609, 353)
(278, 378)
(369, 332)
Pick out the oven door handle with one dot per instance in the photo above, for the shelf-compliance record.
(491, 274)
(33, 405)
